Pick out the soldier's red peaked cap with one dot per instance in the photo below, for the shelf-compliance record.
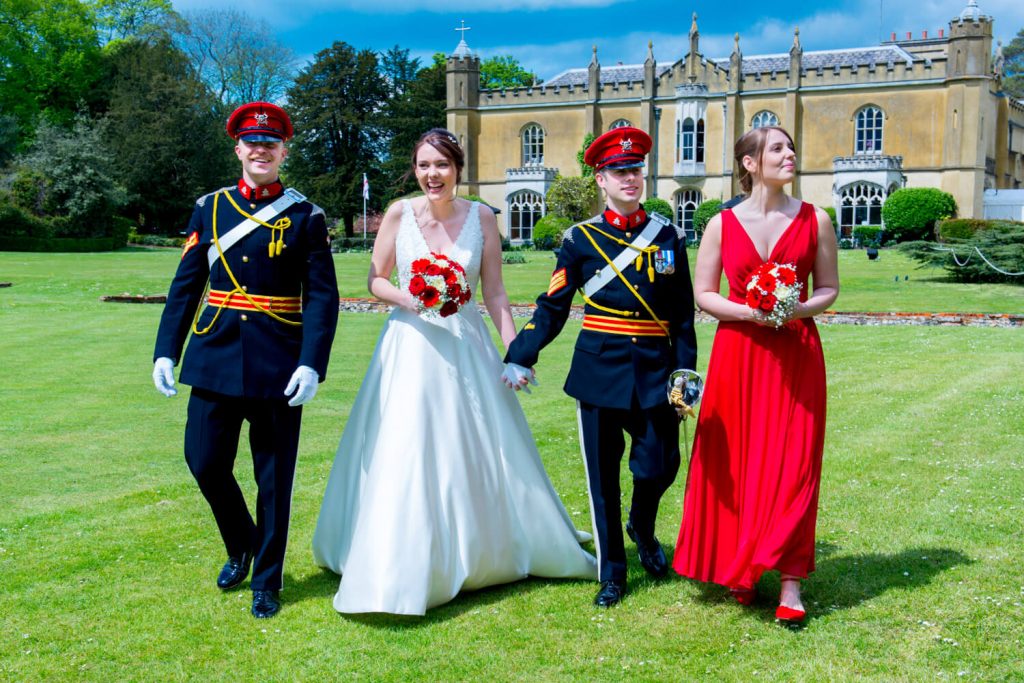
(618, 148)
(259, 122)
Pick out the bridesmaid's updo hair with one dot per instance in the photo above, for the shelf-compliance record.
(751, 144)
(445, 142)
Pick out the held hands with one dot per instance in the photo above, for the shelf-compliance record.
(163, 376)
(517, 377)
(304, 383)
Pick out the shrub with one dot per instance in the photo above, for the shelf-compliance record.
(868, 235)
(911, 213)
(17, 222)
(959, 228)
(572, 197)
(547, 233)
(705, 212)
(513, 257)
(659, 206)
(1000, 241)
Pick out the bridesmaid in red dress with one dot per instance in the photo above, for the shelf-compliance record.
(752, 491)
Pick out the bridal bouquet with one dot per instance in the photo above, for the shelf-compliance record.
(773, 290)
(439, 283)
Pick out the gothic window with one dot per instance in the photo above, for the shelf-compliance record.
(700, 141)
(764, 118)
(688, 137)
(525, 208)
(869, 131)
(533, 145)
(619, 123)
(860, 204)
(687, 202)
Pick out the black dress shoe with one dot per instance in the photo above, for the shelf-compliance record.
(265, 604)
(611, 593)
(234, 572)
(652, 557)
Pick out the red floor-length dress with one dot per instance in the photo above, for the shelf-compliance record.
(752, 491)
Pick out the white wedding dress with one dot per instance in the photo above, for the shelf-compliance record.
(437, 486)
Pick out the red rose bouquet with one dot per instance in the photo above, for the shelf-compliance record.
(773, 290)
(439, 283)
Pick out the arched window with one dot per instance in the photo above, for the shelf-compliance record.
(619, 123)
(687, 202)
(690, 140)
(860, 204)
(764, 118)
(700, 141)
(869, 131)
(533, 145)
(688, 136)
(525, 208)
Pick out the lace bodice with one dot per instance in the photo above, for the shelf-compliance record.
(410, 245)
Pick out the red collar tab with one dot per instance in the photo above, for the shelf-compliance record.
(258, 194)
(622, 222)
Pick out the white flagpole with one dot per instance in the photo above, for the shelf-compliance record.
(365, 192)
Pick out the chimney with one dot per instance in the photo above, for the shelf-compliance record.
(909, 35)
(893, 39)
(924, 35)
(942, 32)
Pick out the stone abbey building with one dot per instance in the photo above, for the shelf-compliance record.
(922, 111)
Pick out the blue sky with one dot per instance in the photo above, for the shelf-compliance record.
(549, 36)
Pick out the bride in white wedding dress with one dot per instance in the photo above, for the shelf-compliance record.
(437, 485)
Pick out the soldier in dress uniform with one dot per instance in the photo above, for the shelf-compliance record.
(257, 289)
(632, 270)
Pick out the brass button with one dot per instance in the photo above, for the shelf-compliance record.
(636, 313)
(245, 259)
(597, 271)
(633, 339)
(629, 234)
(245, 288)
(245, 317)
(252, 206)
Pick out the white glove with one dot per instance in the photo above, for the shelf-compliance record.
(304, 382)
(163, 376)
(516, 377)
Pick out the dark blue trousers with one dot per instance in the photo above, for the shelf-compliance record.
(211, 443)
(653, 461)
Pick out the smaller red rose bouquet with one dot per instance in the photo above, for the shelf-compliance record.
(439, 283)
(773, 290)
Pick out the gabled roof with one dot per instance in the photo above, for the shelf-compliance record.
(620, 73)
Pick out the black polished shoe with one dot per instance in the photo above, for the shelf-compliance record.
(265, 604)
(652, 557)
(611, 593)
(234, 572)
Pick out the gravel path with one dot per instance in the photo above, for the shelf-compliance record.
(828, 317)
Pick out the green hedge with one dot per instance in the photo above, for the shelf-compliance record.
(660, 206)
(959, 228)
(547, 233)
(705, 212)
(1001, 242)
(868, 235)
(60, 244)
(911, 213)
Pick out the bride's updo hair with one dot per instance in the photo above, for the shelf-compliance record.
(751, 144)
(445, 142)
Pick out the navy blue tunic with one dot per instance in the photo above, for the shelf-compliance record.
(248, 353)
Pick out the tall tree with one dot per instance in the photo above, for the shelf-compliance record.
(417, 109)
(166, 132)
(121, 19)
(49, 61)
(332, 105)
(398, 70)
(237, 55)
(1013, 66)
(505, 71)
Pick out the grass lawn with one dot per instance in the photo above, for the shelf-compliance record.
(108, 552)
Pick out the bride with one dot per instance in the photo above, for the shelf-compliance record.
(437, 486)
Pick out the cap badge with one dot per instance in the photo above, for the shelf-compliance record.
(261, 120)
(616, 221)
(627, 145)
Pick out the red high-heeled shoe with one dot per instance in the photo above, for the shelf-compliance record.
(744, 596)
(790, 615)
